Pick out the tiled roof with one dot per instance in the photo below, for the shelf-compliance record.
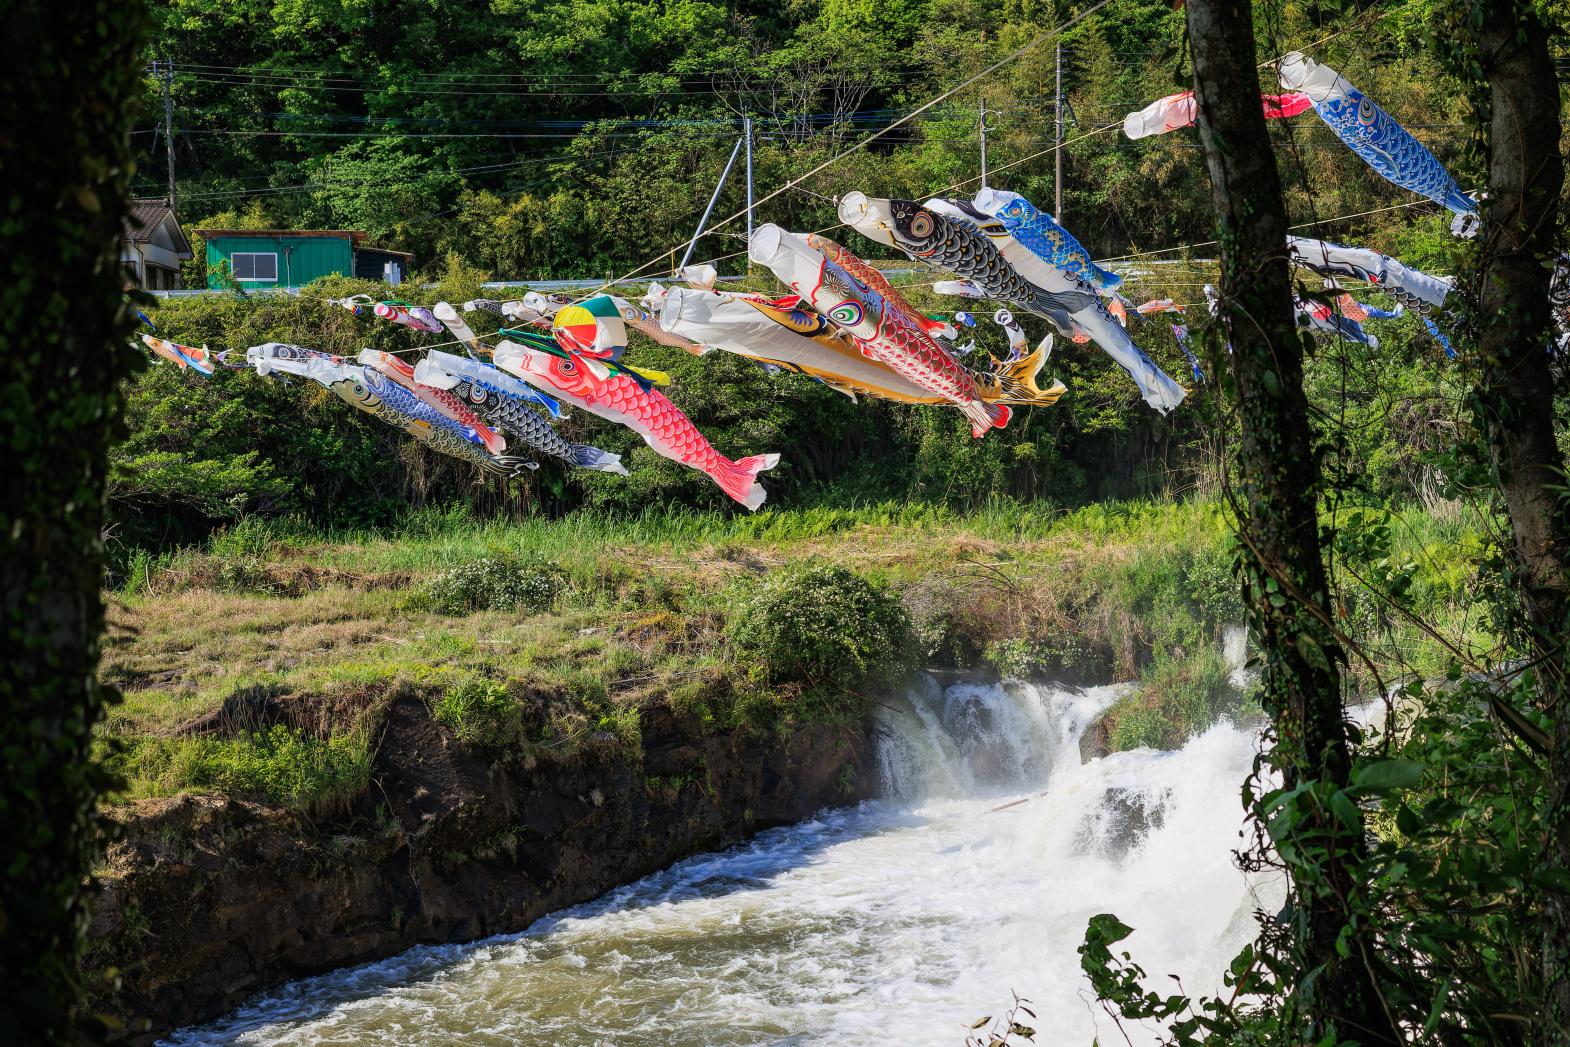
(144, 218)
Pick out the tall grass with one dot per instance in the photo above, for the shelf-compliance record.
(428, 540)
(321, 777)
(639, 606)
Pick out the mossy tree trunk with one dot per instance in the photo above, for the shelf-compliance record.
(1513, 400)
(71, 89)
(1280, 480)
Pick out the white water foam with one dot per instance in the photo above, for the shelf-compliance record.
(896, 922)
(1234, 648)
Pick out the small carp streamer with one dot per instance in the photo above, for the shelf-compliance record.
(1178, 111)
(1041, 235)
(1180, 332)
(503, 399)
(438, 399)
(1410, 286)
(182, 356)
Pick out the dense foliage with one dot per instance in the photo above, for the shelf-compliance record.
(824, 627)
(578, 138)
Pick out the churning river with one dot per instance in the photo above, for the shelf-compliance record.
(895, 922)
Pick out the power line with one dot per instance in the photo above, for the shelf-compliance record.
(1300, 225)
(349, 75)
(391, 133)
(424, 176)
(534, 89)
(791, 183)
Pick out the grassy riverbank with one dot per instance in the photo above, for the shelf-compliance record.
(257, 664)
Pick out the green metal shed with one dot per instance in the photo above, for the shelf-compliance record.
(294, 257)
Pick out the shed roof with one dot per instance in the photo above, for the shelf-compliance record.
(355, 236)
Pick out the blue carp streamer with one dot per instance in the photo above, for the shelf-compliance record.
(1373, 134)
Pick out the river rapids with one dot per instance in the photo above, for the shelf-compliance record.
(900, 921)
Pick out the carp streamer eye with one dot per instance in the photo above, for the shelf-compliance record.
(1366, 111)
(848, 313)
(921, 224)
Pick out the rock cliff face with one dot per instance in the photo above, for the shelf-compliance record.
(208, 901)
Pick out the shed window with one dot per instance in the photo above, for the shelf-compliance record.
(249, 265)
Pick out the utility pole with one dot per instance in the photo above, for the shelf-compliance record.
(983, 141)
(168, 76)
(746, 129)
(1057, 153)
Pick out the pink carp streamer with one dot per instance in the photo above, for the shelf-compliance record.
(857, 299)
(642, 409)
(1180, 110)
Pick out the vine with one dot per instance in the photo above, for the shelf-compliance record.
(63, 328)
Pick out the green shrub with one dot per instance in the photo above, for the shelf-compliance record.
(1067, 654)
(1210, 579)
(946, 633)
(497, 584)
(251, 538)
(824, 627)
(246, 575)
(479, 712)
(624, 724)
(1177, 698)
(1019, 658)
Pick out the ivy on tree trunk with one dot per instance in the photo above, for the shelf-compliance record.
(1280, 481)
(65, 162)
(1513, 402)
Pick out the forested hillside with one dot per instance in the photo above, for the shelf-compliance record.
(582, 138)
(510, 141)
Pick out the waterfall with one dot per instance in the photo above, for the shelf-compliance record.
(1234, 648)
(970, 740)
(896, 921)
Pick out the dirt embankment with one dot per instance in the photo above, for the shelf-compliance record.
(208, 900)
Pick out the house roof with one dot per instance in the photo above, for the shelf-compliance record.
(144, 218)
(355, 236)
